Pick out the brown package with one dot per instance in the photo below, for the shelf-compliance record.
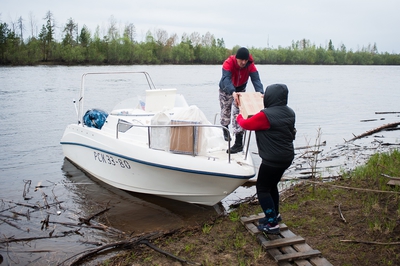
(250, 103)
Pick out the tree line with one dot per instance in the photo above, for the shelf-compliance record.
(113, 47)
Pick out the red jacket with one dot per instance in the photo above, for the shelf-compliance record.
(258, 121)
(233, 76)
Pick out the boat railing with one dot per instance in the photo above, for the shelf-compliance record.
(123, 126)
(80, 109)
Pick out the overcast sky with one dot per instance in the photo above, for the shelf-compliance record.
(257, 23)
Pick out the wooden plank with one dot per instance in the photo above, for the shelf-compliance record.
(320, 261)
(393, 182)
(254, 219)
(316, 261)
(298, 255)
(301, 254)
(283, 227)
(273, 251)
(251, 218)
(298, 262)
(302, 262)
(283, 242)
(252, 228)
(289, 249)
(284, 263)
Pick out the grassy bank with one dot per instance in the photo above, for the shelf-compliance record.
(354, 220)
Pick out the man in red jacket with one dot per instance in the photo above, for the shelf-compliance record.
(236, 71)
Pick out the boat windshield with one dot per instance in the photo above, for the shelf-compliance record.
(137, 102)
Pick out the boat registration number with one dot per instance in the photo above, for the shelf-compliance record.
(108, 159)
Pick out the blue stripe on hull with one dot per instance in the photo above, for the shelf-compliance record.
(160, 165)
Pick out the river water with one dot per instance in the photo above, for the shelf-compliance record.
(332, 104)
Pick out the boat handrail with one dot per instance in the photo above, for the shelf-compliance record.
(123, 122)
(81, 97)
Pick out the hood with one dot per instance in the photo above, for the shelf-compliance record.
(276, 95)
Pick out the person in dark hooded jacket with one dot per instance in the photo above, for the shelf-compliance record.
(275, 131)
(236, 71)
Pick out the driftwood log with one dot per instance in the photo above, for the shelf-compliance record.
(375, 130)
(78, 259)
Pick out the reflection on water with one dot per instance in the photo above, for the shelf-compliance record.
(134, 212)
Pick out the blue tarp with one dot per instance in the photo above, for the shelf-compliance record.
(95, 118)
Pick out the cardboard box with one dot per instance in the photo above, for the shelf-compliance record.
(184, 139)
(250, 103)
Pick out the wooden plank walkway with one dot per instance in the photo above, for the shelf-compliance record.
(286, 248)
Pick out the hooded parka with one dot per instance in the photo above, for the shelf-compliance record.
(274, 127)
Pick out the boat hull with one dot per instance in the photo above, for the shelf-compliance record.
(135, 167)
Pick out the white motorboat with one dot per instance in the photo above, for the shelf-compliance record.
(158, 145)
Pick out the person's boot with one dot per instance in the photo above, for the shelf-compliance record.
(227, 135)
(238, 146)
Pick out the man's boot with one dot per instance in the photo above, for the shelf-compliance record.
(227, 135)
(238, 146)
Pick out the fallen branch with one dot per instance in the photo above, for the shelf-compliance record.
(9, 217)
(9, 240)
(341, 214)
(124, 244)
(65, 224)
(288, 196)
(56, 199)
(45, 222)
(19, 214)
(311, 146)
(106, 228)
(93, 225)
(26, 190)
(12, 207)
(147, 243)
(381, 113)
(354, 188)
(22, 204)
(34, 251)
(370, 242)
(389, 144)
(248, 200)
(375, 130)
(120, 244)
(11, 224)
(390, 177)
